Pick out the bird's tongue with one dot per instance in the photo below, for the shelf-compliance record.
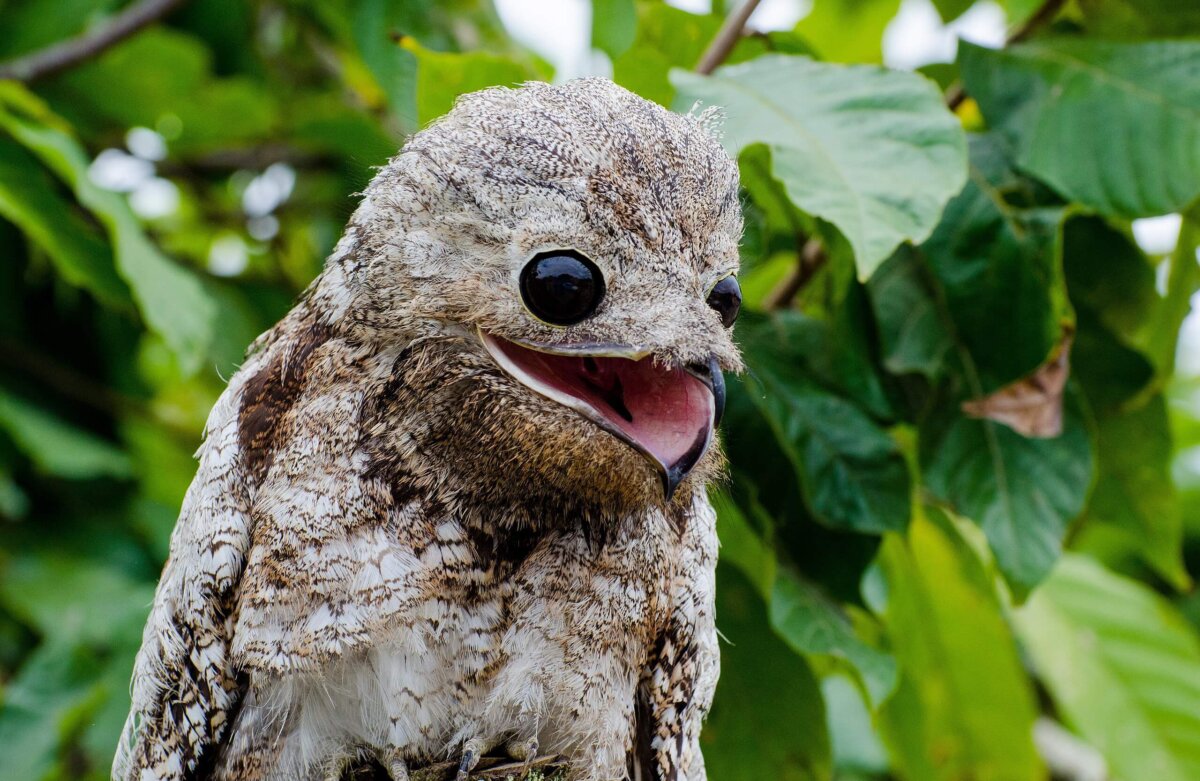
(665, 412)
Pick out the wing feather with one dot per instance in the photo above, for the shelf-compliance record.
(184, 690)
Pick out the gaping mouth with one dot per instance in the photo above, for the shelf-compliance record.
(665, 413)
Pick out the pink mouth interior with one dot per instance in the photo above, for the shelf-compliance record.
(666, 412)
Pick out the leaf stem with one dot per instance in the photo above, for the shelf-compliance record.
(66, 54)
(726, 38)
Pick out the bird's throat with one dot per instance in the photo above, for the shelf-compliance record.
(664, 412)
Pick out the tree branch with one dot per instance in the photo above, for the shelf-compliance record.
(1046, 12)
(66, 54)
(809, 261)
(726, 38)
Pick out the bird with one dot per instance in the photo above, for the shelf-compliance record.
(454, 505)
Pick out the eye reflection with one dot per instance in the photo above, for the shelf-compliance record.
(561, 287)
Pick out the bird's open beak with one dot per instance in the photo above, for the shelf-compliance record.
(665, 413)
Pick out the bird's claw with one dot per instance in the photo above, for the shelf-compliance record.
(524, 751)
(472, 751)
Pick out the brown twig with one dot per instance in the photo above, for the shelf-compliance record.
(1041, 17)
(60, 56)
(1046, 12)
(726, 38)
(809, 261)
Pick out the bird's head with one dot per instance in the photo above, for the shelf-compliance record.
(577, 247)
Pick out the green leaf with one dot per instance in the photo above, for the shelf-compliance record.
(912, 335)
(812, 623)
(761, 726)
(54, 686)
(75, 599)
(770, 498)
(950, 10)
(165, 71)
(742, 547)
(58, 448)
(872, 151)
(999, 271)
(614, 25)
(1121, 665)
(171, 299)
(668, 37)
(852, 472)
(375, 24)
(848, 30)
(857, 748)
(29, 200)
(1183, 280)
(1022, 492)
(1108, 274)
(1115, 126)
(1127, 19)
(1134, 508)
(443, 76)
(964, 708)
(1135, 497)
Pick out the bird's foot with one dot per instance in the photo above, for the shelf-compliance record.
(472, 750)
(396, 766)
(524, 751)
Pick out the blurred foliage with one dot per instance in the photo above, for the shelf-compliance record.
(894, 584)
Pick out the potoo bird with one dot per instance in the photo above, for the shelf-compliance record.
(453, 504)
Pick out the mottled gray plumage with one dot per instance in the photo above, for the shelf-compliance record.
(393, 548)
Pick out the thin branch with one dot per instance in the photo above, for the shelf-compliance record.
(1040, 18)
(809, 261)
(726, 38)
(66, 54)
(1046, 13)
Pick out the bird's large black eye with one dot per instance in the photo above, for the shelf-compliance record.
(726, 298)
(561, 287)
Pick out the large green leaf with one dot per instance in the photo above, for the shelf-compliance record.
(771, 499)
(742, 547)
(851, 470)
(30, 201)
(55, 687)
(1115, 126)
(872, 151)
(1134, 508)
(443, 76)
(164, 71)
(1107, 273)
(964, 708)
(762, 725)
(1122, 666)
(76, 599)
(668, 37)
(995, 256)
(812, 623)
(912, 334)
(375, 25)
(1135, 498)
(58, 448)
(801, 612)
(1141, 18)
(848, 30)
(171, 299)
(614, 25)
(1022, 492)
